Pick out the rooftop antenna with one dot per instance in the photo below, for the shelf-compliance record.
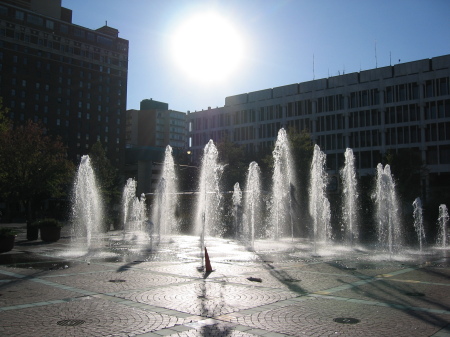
(376, 58)
(106, 23)
(390, 58)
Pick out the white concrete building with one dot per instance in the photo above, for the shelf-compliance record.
(402, 106)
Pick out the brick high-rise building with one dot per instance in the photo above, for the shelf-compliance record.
(71, 78)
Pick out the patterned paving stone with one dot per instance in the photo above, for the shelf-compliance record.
(316, 317)
(209, 299)
(296, 280)
(427, 274)
(403, 293)
(220, 269)
(89, 317)
(114, 281)
(21, 291)
(357, 269)
(218, 329)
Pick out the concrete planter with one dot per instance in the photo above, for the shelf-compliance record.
(50, 234)
(7, 243)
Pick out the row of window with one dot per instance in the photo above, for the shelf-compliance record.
(59, 58)
(357, 119)
(61, 28)
(370, 97)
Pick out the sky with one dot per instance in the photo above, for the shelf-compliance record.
(260, 44)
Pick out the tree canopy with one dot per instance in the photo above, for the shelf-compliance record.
(106, 174)
(33, 166)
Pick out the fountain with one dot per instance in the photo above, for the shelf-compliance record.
(387, 217)
(418, 222)
(443, 226)
(350, 198)
(284, 184)
(252, 202)
(166, 200)
(209, 198)
(128, 195)
(134, 209)
(237, 210)
(319, 206)
(87, 207)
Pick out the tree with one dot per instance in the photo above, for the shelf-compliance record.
(408, 169)
(302, 149)
(107, 177)
(233, 155)
(5, 123)
(33, 167)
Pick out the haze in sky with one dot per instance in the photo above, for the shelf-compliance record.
(192, 54)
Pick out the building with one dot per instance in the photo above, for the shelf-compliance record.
(71, 78)
(148, 132)
(155, 125)
(402, 106)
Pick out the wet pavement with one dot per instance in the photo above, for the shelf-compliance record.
(128, 285)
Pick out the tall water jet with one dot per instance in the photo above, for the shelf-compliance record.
(166, 198)
(252, 202)
(284, 185)
(87, 207)
(418, 221)
(137, 215)
(128, 195)
(350, 198)
(387, 217)
(209, 198)
(443, 226)
(237, 210)
(134, 209)
(319, 205)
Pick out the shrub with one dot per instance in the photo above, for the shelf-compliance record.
(48, 223)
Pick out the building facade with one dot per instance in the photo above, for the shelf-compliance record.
(70, 78)
(402, 106)
(148, 132)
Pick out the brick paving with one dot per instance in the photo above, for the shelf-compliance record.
(137, 291)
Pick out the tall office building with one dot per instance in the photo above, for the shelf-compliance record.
(148, 132)
(155, 125)
(402, 106)
(71, 78)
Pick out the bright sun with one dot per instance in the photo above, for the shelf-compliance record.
(207, 48)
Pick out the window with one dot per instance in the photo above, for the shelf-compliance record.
(20, 15)
(49, 24)
(35, 20)
(78, 32)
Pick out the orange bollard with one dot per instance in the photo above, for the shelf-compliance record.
(208, 267)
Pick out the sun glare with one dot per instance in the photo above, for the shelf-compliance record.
(207, 48)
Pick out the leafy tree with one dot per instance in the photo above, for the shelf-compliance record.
(33, 167)
(5, 123)
(233, 155)
(408, 169)
(302, 149)
(107, 178)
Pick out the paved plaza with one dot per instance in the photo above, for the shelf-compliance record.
(123, 287)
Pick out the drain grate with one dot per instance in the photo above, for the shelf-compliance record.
(346, 320)
(415, 294)
(70, 322)
(117, 281)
